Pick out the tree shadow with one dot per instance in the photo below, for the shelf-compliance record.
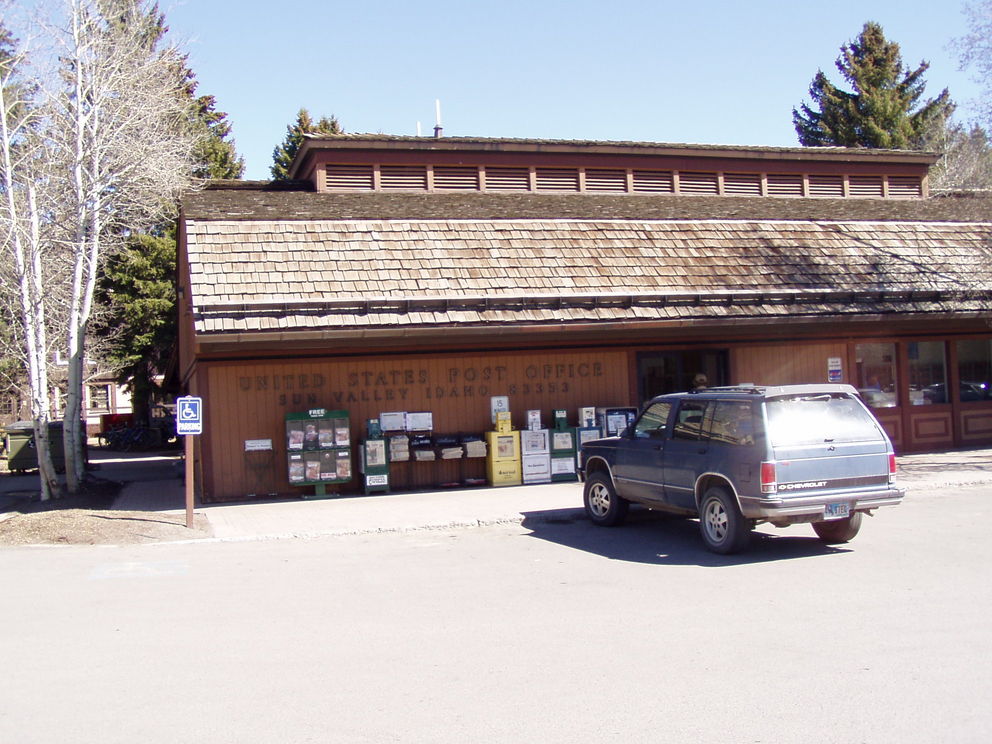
(655, 538)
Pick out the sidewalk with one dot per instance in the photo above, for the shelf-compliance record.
(349, 515)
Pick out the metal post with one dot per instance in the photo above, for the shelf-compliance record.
(188, 444)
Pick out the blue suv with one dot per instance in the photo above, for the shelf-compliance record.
(739, 456)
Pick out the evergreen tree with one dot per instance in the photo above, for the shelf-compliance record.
(884, 108)
(138, 289)
(282, 156)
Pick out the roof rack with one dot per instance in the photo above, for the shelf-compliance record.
(744, 387)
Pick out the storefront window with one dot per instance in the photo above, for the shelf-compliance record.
(975, 370)
(927, 373)
(876, 368)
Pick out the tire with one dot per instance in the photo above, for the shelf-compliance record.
(838, 530)
(721, 523)
(603, 506)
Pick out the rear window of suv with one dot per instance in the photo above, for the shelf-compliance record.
(813, 419)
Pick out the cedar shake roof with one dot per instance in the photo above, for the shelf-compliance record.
(258, 200)
(276, 261)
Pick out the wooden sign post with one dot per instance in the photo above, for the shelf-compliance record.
(189, 423)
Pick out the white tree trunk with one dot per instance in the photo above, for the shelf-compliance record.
(22, 241)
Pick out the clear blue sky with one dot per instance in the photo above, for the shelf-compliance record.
(716, 72)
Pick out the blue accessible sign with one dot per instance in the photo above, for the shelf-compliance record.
(189, 415)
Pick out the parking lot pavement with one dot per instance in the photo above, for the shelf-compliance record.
(152, 484)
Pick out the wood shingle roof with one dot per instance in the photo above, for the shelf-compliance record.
(266, 263)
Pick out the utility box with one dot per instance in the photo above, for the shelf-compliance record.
(503, 458)
(22, 453)
(564, 445)
(535, 456)
(374, 461)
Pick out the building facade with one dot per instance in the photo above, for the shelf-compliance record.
(430, 275)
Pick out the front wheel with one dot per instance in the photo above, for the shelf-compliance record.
(721, 523)
(603, 506)
(838, 530)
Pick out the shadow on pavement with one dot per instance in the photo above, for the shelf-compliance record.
(655, 538)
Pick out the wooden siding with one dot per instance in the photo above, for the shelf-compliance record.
(976, 423)
(785, 364)
(252, 399)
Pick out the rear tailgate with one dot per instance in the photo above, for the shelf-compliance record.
(831, 469)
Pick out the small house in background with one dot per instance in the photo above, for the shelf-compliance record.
(433, 275)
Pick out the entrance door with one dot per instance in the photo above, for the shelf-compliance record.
(660, 372)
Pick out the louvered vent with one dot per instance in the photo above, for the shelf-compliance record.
(865, 186)
(832, 186)
(557, 179)
(698, 183)
(408, 177)
(742, 184)
(456, 178)
(507, 179)
(654, 182)
(349, 178)
(905, 187)
(606, 180)
(785, 184)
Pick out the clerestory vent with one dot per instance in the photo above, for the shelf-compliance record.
(742, 184)
(407, 177)
(691, 182)
(508, 179)
(456, 178)
(349, 178)
(612, 181)
(653, 182)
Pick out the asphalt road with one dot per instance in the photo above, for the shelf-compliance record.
(549, 632)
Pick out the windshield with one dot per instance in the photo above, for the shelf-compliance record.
(812, 419)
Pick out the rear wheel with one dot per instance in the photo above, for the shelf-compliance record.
(721, 523)
(602, 504)
(838, 530)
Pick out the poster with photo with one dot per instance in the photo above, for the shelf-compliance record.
(505, 447)
(294, 435)
(297, 469)
(342, 435)
(375, 453)
(310, 436)
(534, 441)
(325, 431)
(343, 465)
(312, 460)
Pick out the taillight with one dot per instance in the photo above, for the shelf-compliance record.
(769, 483)
(892, 468)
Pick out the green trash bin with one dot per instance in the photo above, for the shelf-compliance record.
(21, 452)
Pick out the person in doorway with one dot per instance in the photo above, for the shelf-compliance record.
(699, 382)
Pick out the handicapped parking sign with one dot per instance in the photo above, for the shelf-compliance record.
(189, 415)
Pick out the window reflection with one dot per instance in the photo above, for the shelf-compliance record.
(876, 370)
(927, 373)
(974, 370)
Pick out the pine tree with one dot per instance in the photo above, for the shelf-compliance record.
(282, 156)
(882, 111)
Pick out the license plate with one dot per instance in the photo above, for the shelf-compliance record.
(837, 511)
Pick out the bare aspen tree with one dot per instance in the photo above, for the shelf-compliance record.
(22, 163)
(119, 130)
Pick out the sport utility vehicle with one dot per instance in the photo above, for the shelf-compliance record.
(736, 457)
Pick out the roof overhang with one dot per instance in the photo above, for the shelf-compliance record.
(313, 144)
